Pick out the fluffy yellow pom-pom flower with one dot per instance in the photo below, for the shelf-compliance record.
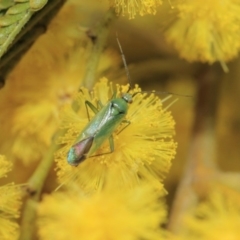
(109, 214)
(206, 31)
(9, 204)
(143, 150)
(218, 218)
(132, 7)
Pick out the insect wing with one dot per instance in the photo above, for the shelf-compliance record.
(111, 117)
(78, 151)
(94, 125)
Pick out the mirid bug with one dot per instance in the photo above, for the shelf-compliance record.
(101, 126)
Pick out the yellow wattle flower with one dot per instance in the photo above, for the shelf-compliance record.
(206, 31)
(9, 204)
(5, 166)
(142, 151)
(133, 7)
(217, 218)
(110, 214)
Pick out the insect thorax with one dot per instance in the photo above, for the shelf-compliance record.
(119, 106)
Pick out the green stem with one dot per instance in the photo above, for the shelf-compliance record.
(35, 184)
(99, 43)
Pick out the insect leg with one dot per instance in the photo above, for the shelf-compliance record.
(100, 104)
(127, 124)
(111, 143)
(93, 108)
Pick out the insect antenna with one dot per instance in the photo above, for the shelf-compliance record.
(124, 63)
(159, 92)
(130, 81)
(175, 94)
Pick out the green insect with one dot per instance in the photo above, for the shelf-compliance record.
(101, 127)
(103, 124)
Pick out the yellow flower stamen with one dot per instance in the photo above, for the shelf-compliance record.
(111, 214)
(132, 7)
(9, 204)
(216, 218)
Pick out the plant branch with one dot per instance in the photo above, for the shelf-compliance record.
(99, 41)
(200, 169)
(35, 185)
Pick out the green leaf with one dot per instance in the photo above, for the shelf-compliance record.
(18, 8)
(10, 19)
(36, 5)
(5, 4)
(4, 33)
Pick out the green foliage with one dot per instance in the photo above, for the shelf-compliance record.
(13, 16)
